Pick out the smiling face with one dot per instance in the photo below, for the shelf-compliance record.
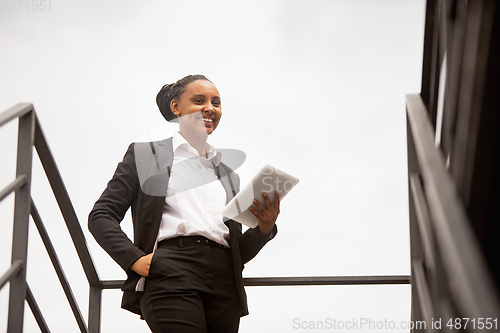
(199, 108)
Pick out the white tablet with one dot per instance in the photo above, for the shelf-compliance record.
(268, 180)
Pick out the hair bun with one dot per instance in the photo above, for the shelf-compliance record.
(163, 99)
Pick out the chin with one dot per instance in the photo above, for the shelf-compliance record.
(210, 130)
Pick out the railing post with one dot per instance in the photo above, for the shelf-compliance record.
(21, 221)
(415, 241)
(95, 301)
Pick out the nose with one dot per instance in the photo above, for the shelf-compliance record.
(209, 107)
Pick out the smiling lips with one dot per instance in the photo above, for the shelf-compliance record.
(207, 121)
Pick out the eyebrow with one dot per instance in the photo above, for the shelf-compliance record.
(201, 95)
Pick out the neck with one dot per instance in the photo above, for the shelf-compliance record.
(196, 140)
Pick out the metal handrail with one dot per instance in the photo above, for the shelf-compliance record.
(471, 285)
(35, 309)
(12, 187)
(58, 268)
(24, 161)
(302, 281)
(15, 112)
(14, 269)
(31, 135)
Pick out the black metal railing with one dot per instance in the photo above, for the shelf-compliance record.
(30, 135)
(451, 276)
(448, 269)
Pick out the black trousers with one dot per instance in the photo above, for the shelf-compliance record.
(191, 288)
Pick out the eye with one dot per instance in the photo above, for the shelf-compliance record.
(216, 103)
(198, 101)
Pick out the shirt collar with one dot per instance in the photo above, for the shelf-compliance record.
(178, 142)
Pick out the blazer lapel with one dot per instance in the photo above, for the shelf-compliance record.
(155, 189)
(230, 193)
(224, 179)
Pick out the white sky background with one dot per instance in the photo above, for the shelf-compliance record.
(315, 88)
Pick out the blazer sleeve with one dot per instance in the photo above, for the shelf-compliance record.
(110, 208)
(250, 242)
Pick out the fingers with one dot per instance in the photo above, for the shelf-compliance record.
(260, 209)
(277, 201)
(258, 205)
(267, 201)
(270, 212)
(255, 212)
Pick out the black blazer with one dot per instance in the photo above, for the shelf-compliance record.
(145, 169)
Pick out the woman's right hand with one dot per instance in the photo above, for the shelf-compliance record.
(141, 266)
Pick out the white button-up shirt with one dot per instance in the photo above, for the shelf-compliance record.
(195, 197)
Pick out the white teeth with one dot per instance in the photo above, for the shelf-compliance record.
(208, 119)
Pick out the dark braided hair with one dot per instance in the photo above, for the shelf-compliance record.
(173, 91)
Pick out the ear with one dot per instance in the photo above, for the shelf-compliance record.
(174, 106)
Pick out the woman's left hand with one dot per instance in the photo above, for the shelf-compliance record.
(267, 216)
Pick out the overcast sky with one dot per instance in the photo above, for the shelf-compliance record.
(315, 88)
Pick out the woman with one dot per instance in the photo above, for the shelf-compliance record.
(184, 267)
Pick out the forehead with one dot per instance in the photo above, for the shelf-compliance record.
(202, 87)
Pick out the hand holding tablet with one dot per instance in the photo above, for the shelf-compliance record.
(267, 181)
(267, 215)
